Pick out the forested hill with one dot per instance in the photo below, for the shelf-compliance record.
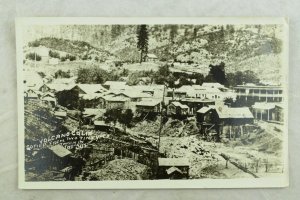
(240, 47)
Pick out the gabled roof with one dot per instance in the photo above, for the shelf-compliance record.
(135, 94)
(50, 94)
(172, 170)
(47, 98)
(64, 80)
(59, 87)
(173, 162)
(178, 104)
(204, 110)
(234, 113)
(91, 88)
(60, 151)
(150, 55)
(91, 96)
(150, 102)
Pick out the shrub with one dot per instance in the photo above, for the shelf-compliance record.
(33, 56)
(34, 44)
(54, 54)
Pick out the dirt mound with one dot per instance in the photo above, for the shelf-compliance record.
(177, 128)
(122, 169)
(149, 127)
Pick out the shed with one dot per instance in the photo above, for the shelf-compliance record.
(151, 57)
(60, 114)
(234, 116)
(55, 157)
(173, 168)
(150, 105)
(101, 126)
(178, 109)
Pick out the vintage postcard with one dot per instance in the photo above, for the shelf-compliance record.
(109, 103)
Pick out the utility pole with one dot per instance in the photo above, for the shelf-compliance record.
(161, 118)
(159, 132)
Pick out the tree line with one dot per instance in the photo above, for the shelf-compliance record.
(164, 75)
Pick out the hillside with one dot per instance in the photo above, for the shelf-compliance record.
(240, 47)
(81, 49)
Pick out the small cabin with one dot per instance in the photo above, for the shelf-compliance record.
(150, 105)
(173, 168)
(55, 157)
(151, 58)
(177, 109)
(101, 126)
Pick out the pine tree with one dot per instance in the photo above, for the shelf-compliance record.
(142, 43)
(173, 32)
(195, 32)
(115, 31)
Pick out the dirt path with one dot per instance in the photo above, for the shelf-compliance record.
(238, 165)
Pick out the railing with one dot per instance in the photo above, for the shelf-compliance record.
(259, 95)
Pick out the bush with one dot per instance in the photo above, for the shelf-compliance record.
(68, 56)
(62, 74)
(63, 59)
(33, 56)
(54, 54)
(34, 44)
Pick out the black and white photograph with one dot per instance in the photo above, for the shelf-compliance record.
(152, 102)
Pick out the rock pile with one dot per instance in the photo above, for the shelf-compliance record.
(122, 169)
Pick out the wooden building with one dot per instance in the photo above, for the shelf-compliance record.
(173, 168)
(233, 121)
(146, 106)
(55, 158)
(177, 109)
(195, 104)
(101, 126)
(151, 58)
(263, 111)
(248, 94)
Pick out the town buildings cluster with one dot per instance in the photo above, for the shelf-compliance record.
(210, 103)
